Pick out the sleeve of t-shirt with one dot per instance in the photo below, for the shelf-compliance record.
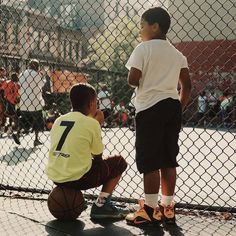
(4, 85)
(136, 59)
(184, 62)
(97, 145)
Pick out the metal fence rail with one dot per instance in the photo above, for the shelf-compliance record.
(91, 41)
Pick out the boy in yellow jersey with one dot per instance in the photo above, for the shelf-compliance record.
(75, 156)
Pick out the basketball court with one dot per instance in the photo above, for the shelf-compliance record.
(31, 217)
(22, 215)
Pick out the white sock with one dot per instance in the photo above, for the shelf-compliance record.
(167, 200)
(151, 200)
(102, 199)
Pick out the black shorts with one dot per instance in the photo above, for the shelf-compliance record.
(100, 172)
(157, 134)
(10, 109)
(106, 112)
(31, 119)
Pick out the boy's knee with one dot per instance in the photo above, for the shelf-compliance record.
(121, 164)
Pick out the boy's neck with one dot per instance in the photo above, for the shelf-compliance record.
(161, 37)
(86, 113)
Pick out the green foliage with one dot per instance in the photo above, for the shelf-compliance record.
(110, 50)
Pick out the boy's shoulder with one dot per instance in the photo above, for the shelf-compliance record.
(77, 116)
(155, 43)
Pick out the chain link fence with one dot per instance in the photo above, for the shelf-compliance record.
(90, 41)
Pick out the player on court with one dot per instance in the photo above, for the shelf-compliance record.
(155, 69)
(75, 155)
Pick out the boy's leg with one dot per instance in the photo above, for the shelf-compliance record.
(168, 181)
(110, 185)
(151, 182)
(103, 207)
(106, 173)
(38, 125)
(149, 212)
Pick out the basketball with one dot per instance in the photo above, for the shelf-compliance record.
(65, 203)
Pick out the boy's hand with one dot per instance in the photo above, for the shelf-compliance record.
(99, 116)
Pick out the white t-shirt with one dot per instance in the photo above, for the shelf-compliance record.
(160, 63)
(202, 104)
(104, 100)
(212, 100)
(31, 84)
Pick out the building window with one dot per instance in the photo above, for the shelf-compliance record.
(64, 49)
(38, 41)
(47, 41)
(70, 50)
(77, 51)
(15, 33)
(3, 30)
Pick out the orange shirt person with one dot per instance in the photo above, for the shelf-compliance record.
(11, 89)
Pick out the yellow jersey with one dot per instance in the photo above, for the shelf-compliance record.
(74, 138)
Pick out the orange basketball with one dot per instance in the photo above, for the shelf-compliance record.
(65, 203)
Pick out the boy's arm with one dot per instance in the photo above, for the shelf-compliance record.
(134, 76)
(99, 116)
(185, 83)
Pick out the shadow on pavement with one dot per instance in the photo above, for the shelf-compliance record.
(17, 155)
(76, 227)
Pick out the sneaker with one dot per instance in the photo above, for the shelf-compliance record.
(37, 142)
(16, 138)
(168, 213)
(108, 210)
(146, 215)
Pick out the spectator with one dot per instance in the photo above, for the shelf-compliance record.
(121, 114)
(202, 107)
(76, 157)
(226, 107)
(104, 102)
(11, 96)
(131, 112)
(155, 69)
(213, 107)
(31, 101)
(3, 74)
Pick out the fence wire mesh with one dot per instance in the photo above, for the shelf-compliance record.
(90, 41)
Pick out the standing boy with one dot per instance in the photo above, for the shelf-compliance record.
(155, 69)
(75, 155)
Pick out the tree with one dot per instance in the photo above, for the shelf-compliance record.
(110, 50)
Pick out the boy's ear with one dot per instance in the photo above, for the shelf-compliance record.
(156, 27)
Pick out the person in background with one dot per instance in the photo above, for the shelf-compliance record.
(213, 106)
(104, 101)
(31, 102)
(3, 78)
(11, 96)
(202, 108)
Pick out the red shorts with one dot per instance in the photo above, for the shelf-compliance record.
(100, 172)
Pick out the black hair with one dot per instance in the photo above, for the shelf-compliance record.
(81, 95)
(158, 15)
(14, 77)
(34, 64)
